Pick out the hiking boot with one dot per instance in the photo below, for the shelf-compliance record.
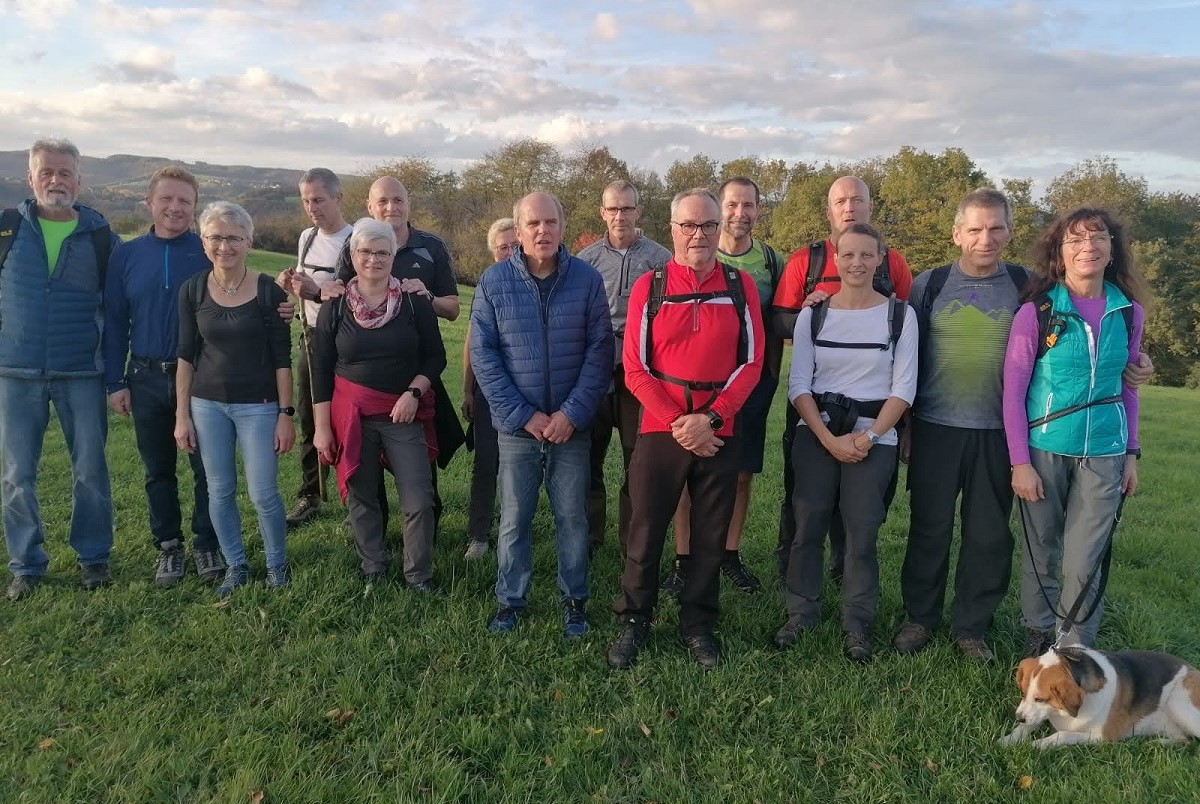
(623, 653)
(672, 583)
(305, 509)
(911, 638)
(94, 576)
(974, 649)
(22, 586)
(476, 550)
(171, 564)
(574, 622)
(504, 620)
(704, 650)
(235, 576)
(425, 588)
(1037, 642)
(857, 647)
(790, 633)
(742, 578)
(210, 565)
(277, 577)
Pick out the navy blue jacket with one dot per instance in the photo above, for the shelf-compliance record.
(526, 353)
(141, 299)
(50, 321)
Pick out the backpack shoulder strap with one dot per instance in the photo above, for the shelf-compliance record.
(937, 281)
(266, 306)
(198, 288)
(1049, 326)
(1127, 314)
(1018, 276)
(771, 258)
(818, 319)
(307, 244)
(658, 287)
(102, 245)
(10, 221)
(816, 266)
(882, 280)
(896, 312)
(737, 294)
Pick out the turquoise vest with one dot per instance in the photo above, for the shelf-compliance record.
(1074, 375)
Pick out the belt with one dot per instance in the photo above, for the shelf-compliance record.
(165, 366)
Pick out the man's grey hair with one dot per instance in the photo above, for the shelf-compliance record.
(987, 198)
(499, 227)
(368, 230)
(562, 215)
(228, 212)
(622, 186)
(327, 178)
(703, 192)
(53, 145)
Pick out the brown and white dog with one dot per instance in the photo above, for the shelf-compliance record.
(1090, 696)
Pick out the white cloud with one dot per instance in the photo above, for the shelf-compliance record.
(605, 27)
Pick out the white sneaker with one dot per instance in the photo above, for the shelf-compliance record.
(476, 550)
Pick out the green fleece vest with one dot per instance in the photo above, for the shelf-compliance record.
(1074, 374)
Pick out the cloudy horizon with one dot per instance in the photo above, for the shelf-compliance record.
(1025, 89)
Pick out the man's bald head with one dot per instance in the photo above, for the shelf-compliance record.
(387, 201)
(849, 202)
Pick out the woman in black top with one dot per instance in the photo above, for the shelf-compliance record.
(375, 351)
(234, 387)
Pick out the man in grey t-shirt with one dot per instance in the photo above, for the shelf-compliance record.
(957, 437)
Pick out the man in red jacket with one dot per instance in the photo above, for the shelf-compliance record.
(693, 352)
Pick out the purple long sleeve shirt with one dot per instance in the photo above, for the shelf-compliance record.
(1018, 370)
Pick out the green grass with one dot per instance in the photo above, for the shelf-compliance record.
(151, 695)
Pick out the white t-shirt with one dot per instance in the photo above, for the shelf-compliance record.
(864, 374)
(320, 263)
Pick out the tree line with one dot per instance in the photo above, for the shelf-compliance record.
(915, 194)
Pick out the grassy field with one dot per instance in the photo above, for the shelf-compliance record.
(330, 691)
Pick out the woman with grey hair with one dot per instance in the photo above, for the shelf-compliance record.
(234, 387)
(375, 351)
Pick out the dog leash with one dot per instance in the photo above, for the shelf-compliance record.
(1101, 568)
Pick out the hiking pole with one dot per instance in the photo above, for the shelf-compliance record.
(306, 348)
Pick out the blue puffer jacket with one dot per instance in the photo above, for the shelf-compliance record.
(530, 357)
(50, 323)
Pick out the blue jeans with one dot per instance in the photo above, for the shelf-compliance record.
(565, 468)
(24, 417)
(220, 428)
(152, 395)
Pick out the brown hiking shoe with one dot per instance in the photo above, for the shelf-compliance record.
(912, 637)
(974, 649)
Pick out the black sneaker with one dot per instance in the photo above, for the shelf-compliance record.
(857, 647)
(94, 576)
(277, 577)
(790, 632)
(305, 509)
(171, 563)
(704, 650)
(236, 576)
(673, 581)
(22, 586)
(575, 622)
(210, 565)
(623, 653)
(742, 578)
(1037, 642)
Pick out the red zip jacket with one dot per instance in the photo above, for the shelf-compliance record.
(694, 341)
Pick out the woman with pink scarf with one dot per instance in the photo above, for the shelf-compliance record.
(375, 350)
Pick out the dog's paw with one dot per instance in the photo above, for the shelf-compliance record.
(1046, 742)
(1012, 738)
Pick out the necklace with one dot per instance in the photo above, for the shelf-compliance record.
(233, 290)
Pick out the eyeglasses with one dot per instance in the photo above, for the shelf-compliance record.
(709, 228)
(228, 240)
(1095, 240)
(615, 210)
(366, 254)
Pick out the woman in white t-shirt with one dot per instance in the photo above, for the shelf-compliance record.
(853, 374)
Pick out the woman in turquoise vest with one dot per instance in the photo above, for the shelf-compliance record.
(1070, 421)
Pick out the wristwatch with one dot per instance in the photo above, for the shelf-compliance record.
(873, 437)
(415, 391)
(289, 410)
(715, 419)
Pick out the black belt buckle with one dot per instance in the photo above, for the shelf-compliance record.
(165, 366)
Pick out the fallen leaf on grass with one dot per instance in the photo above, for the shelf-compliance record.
(258, 796)
(670, 714)
(340, 717)
(557, 696)
(47, 744)
(71, 762)
(592, 730)
(875, 766)
(820, 760)
(548, 760)
(220, 604)
(645, 729)
(1025, 782)
(930, 765)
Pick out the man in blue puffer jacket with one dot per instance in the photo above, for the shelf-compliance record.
(50, 322)
(542, 351)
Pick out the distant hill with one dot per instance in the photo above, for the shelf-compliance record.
(116, 185)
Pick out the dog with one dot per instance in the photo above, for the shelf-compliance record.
(1090, 696)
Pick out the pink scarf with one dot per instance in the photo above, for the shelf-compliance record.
(369, 317)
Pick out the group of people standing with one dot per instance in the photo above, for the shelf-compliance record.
(988, 379)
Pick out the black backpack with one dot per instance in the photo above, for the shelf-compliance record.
(10, 221)
(881, 281)
(198, 290)
(896, 312)
(733, 291)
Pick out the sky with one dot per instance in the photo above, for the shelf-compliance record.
(1026, 88)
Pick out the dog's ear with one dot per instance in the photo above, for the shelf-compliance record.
(1025, 671)
(1085, 671)
(1067, 693)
